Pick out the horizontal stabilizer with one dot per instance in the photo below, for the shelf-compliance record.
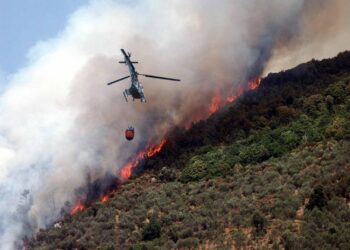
(125, 62)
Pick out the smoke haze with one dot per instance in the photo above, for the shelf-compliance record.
(61, 125)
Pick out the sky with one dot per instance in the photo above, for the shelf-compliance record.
(24, 23)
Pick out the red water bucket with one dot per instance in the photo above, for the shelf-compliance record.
(129, 133)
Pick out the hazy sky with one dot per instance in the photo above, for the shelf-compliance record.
(24, 23)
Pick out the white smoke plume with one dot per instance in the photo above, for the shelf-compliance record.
(62, 126)
(325, 31)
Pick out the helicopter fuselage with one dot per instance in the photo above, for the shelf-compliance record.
(136, 91)
(136, 88)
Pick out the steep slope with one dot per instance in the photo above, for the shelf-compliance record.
(271, 170)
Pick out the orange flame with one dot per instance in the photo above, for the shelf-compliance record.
(105, 198)
(254, 83)
(126, 171)
(231, 98)
(77, 208)
(234, 97)
(215, 103)
(152, 150)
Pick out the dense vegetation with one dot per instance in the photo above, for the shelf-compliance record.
(272, 170)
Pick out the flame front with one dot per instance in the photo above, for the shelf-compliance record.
(77, 208)
(152, 150)
(216, 102)
(126, 171)
(105, 198)
(231, 98)
(254, 83)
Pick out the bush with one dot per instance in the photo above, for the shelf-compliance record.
(195, 171)
(189, 243)
(143, 246)
(338, 128)
(259, 222)
(253, 153)
(152, 230)
(285, 113)
(167, 174)
(211, 164)
(239, 238)
(314, 104)
(330, 102)
(317, 199)
(288, 240)
(290, 139)
(337, 91)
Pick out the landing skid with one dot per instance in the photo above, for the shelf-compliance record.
(125, 95)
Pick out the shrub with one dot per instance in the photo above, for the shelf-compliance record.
(338, 128)
(337, 91)
(253, 153)
(290, 139)
(313, 104)
(288, 240)
(143, 246)
(186, 233)
(189, 243)
(317, 199)
(285, 113)
(167, 174)
(211, 164)
(152, 230)
(330, 102)
(194, 171)
(259, 222)
(169, 245)
(239, 238)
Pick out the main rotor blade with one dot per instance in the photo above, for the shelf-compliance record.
(118, 80)
(160, 77)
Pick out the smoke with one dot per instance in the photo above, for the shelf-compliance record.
(324, 32)
(61, 127)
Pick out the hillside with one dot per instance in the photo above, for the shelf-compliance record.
(271, 170)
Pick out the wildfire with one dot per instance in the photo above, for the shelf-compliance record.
(231, 98)
(151, 150)
(217, 101)
(126, 171)
(215, 104)
(234, 97)
(105, 198)
(77, 208)
(254, 83)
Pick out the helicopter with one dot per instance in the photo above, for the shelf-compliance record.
(136, 88)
